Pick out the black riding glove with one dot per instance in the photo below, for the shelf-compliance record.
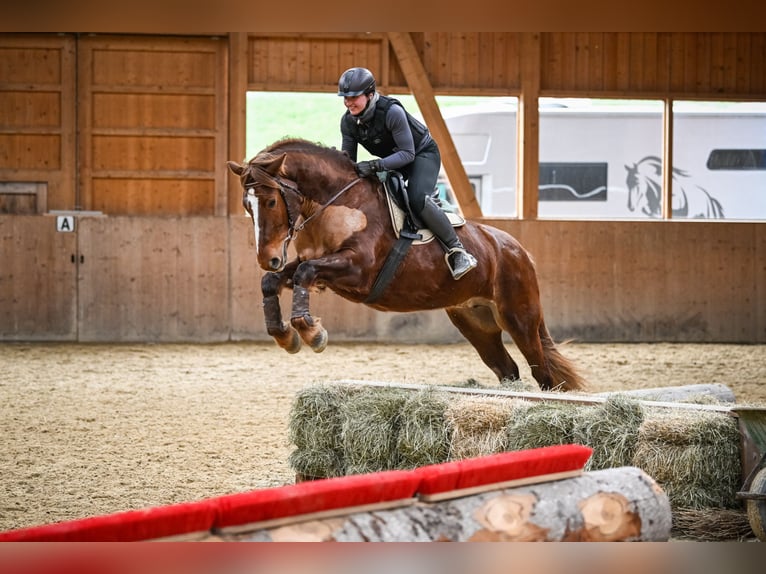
(367, 168)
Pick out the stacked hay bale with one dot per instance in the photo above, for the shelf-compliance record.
(342, 429)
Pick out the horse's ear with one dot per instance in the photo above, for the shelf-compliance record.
(236, 168)
(274, 167)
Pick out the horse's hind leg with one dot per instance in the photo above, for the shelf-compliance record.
(285, 336)
(478, 326)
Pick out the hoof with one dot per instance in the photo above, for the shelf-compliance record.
(293, 344)
(319, 342)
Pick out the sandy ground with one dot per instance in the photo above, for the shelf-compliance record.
(96, 429)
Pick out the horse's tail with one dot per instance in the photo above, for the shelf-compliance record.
(563, 371)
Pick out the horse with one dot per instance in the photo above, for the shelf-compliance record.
(302, 193)
(644, 181)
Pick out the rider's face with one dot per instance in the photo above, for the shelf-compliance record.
(356, 104)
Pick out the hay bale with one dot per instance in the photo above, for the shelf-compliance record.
(370, 429)
(546, 423)
(477, 426)
(611, 430)
(424, 436)
(693, 455)
(315, 429)
(711, 524)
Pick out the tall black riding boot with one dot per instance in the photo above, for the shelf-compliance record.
(458, 259)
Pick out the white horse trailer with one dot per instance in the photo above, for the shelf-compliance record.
(606, 163)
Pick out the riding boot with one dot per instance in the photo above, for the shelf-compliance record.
(458, 259)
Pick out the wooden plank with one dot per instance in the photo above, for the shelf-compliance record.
(167, 279)
(537, 396)
(528, 173)
(237, 142)
(418, 81)
(667, 164)
(148, 196)
(38, 295)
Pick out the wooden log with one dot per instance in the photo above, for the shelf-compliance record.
(680, 394)
(617, 504)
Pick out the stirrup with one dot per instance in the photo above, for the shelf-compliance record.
(472, 263)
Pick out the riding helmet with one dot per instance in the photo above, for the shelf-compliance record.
(355, 81)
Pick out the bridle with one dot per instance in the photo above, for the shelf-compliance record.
(285, 185)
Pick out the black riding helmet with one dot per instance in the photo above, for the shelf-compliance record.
(355, 81)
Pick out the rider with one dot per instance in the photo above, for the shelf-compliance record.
(384, 128)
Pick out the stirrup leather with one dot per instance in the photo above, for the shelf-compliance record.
(471, 261)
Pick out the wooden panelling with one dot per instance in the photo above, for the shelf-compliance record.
(31, 152)
(154, 279)
(171, 196)
(462, 62)
(310, 62)
(653, 64)
(153, 111)
(153, 127)
(31, 61)
(37, 111)
(20, 109)
(153, 153)
(649, 281)
(37, 280)
(196, 278)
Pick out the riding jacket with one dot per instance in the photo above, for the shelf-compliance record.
(392, 134)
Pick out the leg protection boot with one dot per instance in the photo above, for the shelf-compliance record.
(458, 259)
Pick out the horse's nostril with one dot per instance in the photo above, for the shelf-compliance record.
(275, 263)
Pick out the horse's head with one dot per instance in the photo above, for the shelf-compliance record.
(644, 181)
(273, 205)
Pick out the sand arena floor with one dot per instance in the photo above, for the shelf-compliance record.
(96, 429)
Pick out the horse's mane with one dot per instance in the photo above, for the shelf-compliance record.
(331, 154)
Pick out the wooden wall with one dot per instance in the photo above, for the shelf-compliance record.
(653, 64)
(152, 125)
(37, 123)
(157, 278)
(138, 127)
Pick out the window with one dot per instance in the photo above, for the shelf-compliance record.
(593, 153)
(737, 159)
(573, 181)
(719, 160)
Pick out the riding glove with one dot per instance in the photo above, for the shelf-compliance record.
(367, 168)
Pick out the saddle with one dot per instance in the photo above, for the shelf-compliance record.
(408, 229)
(403, 220)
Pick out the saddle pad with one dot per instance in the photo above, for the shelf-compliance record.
(398, 216)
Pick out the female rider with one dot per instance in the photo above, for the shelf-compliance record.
(384, 128)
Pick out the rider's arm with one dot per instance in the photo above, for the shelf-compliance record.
(404, 152)
(348, 143)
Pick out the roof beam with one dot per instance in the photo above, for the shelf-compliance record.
(417, 80)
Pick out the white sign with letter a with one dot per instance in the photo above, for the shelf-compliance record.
(65, 223)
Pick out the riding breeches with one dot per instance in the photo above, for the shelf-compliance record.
(422, 174)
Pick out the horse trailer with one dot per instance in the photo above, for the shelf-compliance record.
(604, 162)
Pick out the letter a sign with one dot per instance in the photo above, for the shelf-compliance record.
(65, 223)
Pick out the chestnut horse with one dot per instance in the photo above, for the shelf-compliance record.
(297, 191)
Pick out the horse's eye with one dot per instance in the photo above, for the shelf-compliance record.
(271, 203)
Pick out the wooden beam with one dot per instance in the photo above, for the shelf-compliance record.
(418, 81)
(238, 58)
(667, 160)
(528, 146)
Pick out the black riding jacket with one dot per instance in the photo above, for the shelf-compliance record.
(379, 136)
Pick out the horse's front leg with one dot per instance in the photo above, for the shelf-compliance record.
(327, 269)
(283, 333)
